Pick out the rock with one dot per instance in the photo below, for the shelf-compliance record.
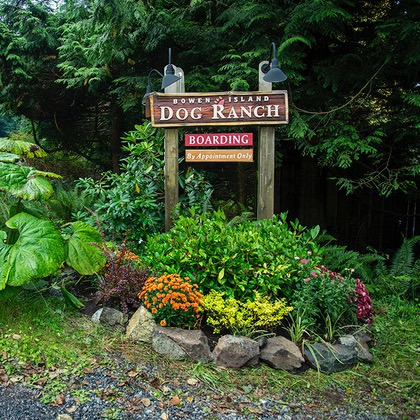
(109, 317)
(64, 417)
(140, 326)
(360, 346)
(180, 344)
(97, 316)
(363, 353)
(236, 351)
(281, 353)
(331, 358)
(363, 336)
(262, 342)
(347, 340)
(164, 345)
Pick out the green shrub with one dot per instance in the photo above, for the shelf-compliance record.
(322, 294)
(133, 201)
(254, 316)
(330, 301)
(236, 259)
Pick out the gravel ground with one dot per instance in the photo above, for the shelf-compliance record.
(127, 392)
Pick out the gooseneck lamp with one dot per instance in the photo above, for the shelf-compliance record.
(170, 76)
(167, 80)
(273, 74)
(149, 84)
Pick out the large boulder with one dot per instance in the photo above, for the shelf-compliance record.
(180, 344)
(110, 318)
(330, 358)
(281, 353)
(236, 351)
(141, 325)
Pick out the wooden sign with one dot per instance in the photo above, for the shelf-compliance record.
(219, 108)
(228, 139)
(225, 155)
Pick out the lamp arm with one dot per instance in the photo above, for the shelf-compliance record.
(266, 67)
(150, 73)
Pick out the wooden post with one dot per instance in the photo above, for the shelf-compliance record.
(171, 157)
(266, 154)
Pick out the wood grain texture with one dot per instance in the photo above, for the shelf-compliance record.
(266, 152)
(219, 108)
(171, 159)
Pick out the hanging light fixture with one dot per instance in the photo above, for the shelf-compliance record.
(167, 80)
(170, 76)
(273, 74)
(149, 85)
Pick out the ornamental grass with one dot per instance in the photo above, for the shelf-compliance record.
(173, 301)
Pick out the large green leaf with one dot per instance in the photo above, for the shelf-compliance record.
(4, 251)
(82, 255)
(9, 157)
(38, 252)
(21, 148)
(26, 182)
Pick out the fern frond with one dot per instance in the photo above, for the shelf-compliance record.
(404, 258)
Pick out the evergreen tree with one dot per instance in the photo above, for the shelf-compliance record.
(79, 72)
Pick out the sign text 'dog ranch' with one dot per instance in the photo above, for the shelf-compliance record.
(222, 108)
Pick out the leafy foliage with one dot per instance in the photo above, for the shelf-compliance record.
(132, 202)
(82, 253)
(122, 279)
(248, 318)
(236, 259)
(33, 247)
(339, 257)
(324, 296)
(350, 67)
(38, 252)
(399, 275)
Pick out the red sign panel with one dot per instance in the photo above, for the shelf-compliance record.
(228, 139)
(219, 108)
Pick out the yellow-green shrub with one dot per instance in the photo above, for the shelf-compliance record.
(245, 318)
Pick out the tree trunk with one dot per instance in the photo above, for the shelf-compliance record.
(117, 130)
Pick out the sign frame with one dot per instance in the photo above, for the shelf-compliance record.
(184, 106)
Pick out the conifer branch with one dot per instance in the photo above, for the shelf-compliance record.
(347, 103)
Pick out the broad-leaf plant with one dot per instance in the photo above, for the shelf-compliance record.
(30, 247)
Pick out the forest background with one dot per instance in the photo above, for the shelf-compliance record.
(73, 74)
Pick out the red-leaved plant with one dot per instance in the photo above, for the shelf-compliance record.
(364, 308)
(122, 279)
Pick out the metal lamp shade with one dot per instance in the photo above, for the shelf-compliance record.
(148, 92)
(275, 74)
(169, 77)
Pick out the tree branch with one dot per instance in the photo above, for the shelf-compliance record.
(347, 103)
